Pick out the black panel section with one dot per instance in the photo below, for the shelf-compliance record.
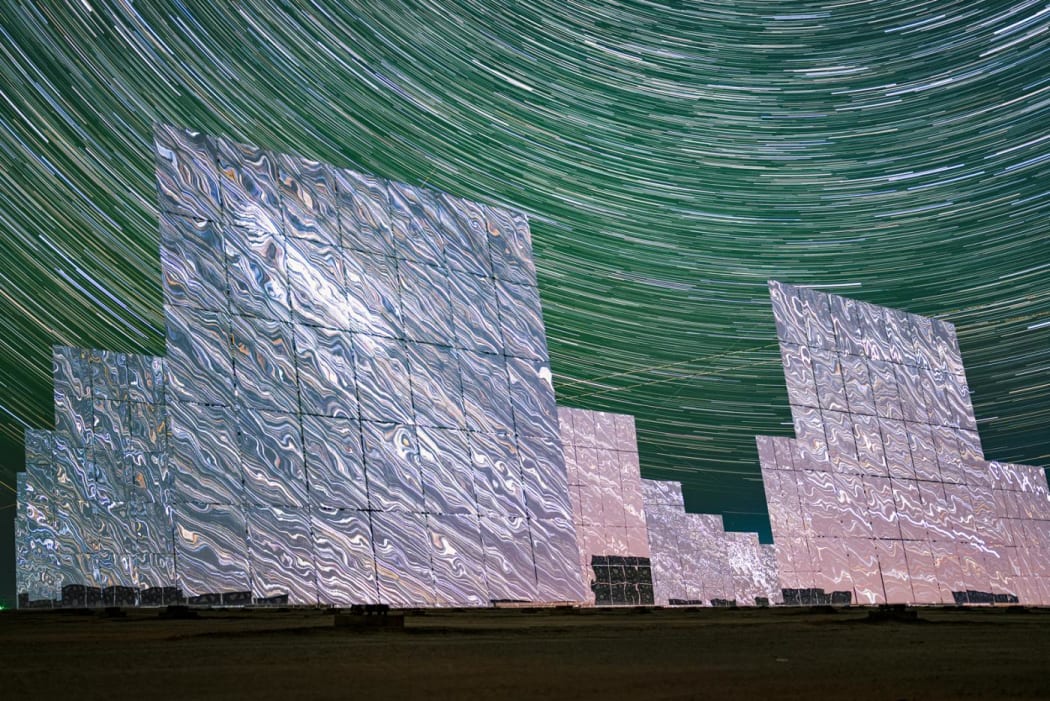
(808, 597)
(237, 598)
(842, 598)
(622, 581)
(161, 596)
(120, 596)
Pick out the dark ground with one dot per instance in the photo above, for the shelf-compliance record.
(493, 654)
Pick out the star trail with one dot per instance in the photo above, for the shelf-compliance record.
(672, 157)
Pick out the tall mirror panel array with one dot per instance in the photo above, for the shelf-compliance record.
(884, 494)
(355, 405)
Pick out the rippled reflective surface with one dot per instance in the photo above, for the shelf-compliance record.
(321, 383)
(885, 493)
(696, 561)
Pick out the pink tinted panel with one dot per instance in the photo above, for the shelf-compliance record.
(894, 568)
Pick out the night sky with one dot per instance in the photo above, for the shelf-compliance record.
(672, 157)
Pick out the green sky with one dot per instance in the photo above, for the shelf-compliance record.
(672, 158)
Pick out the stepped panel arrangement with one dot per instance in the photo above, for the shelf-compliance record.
(355, 402)
(884, 494)
(605, 490)
(696, 561)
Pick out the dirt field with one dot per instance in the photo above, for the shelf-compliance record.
(495, 654)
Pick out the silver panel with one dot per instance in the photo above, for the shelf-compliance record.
(532, 400)
(211, 552)
(521, 320)
(923, 451)
(486, 392)
(281, 551)
(204, 462)
(884, 389)
(949, 460)
(497, 474)
(820, 329)
(316, 284)
(819, 499)
(858, 385)
(73, 418)
(73, 472)
(827, 373)
(153, 569)
(248, 179)
(910, 515)
(109, 375)
(922, 573)
(545, 480)
(425, 303)
(871, 456)
(811, 445)
(145, 379)
(324, 360)
(372, 294)
(894, 567)
(631, 482)
(150, 480)
(882, 509)
(660, 492)
(364, 218)
(193, 260)
(392, 466)
(626, 435)
(798, 372)
(448, 478)
(853, 507)
(437, 398)
(257, 272)
(384, 389)
(897, 451)
(199, 362)
(308, 194)
(476, 312)
(187, 179)
(864, 570)
(334, 462)
(38, 446)
(947, 344)
(414, 221)
(510, 244)
(264, 364)
(345, 565)
(457, 559)
(842, 444)
(605, 426)
(845, 316)
(913, 398)
(788, 313)
(463, 230)
(935, 510)
(611, 490)
(149, 527)
(403, 559)
(271, 458)
(147, 428)
(71, 372)
(555, 551)
(509, 565)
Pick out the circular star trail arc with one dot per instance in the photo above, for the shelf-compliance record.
(672, 157)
